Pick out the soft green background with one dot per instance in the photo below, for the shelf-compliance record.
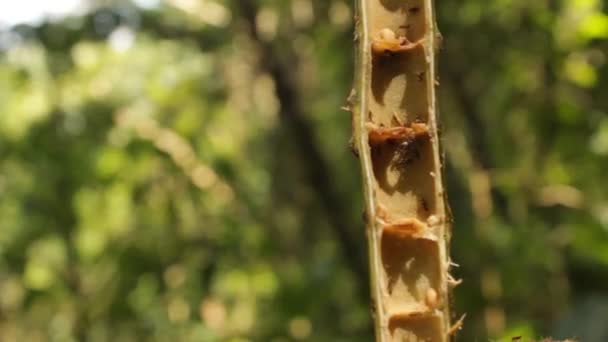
(167, 175)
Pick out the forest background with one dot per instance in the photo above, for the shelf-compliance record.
(179, 170)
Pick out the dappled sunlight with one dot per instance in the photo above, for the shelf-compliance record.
(178, 170)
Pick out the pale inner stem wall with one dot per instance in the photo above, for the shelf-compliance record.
(411, 268)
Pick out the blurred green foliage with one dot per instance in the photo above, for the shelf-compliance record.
(157, 184)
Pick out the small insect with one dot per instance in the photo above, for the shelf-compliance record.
(424, 204)
(373, 308)
(387, 43)
(420, 76)
(423, 208)
(352, 145)
(408, 138)
(408, 151)
(438, 41)
(365, 217)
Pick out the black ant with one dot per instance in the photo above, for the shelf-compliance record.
(414, 9)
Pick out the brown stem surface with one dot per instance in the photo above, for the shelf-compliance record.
(395, 134)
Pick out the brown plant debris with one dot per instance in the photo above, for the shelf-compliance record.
(379, 135)
(388, 43)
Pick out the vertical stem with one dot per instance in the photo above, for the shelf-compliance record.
(395, 135)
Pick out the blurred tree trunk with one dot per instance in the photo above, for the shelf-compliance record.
(317, 168)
